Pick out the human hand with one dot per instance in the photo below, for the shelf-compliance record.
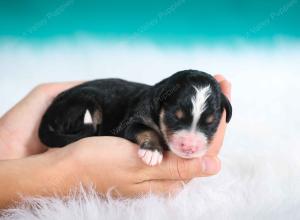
(107, 162)
(111, 164)
(19, 126)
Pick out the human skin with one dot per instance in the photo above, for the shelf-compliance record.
(112, 164)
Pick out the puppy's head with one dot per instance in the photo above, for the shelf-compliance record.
(190, 112)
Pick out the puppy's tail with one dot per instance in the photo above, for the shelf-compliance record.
(73, 115)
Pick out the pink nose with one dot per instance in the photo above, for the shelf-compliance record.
(188, 142)
(188, 147)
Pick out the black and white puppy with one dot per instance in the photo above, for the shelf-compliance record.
(181, 113)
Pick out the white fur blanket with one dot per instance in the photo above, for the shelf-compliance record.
(260, 178)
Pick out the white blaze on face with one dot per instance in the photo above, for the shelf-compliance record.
(191, 142)
(199, 104)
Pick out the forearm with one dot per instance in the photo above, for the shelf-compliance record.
(41, 175)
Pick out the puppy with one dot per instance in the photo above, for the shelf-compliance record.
(181, 113)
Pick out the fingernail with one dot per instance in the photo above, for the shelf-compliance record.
(210, 165)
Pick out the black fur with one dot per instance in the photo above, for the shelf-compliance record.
(131, 109)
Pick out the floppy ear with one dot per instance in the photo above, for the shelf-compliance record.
(225, 104)
(162, 91)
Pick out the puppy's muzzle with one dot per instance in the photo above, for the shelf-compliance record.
(188, 144)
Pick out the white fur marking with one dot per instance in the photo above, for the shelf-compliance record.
(162, 124)
(150, 157)
(87, 118)
(199, 104)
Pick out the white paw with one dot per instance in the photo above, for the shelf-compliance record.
(150, 157)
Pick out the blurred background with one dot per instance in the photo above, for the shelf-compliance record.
(255, 44)
(183, 22)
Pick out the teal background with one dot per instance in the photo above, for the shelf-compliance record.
(160, 21)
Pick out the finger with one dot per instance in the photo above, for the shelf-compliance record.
(226, 88)
(217, 141)
(224, 84)
(39, 98)
(50, 90)
(176, 168)
(59, 87)
(219, 78)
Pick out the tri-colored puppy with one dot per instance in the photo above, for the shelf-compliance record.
(181, 113)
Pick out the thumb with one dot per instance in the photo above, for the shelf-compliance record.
(175, 168)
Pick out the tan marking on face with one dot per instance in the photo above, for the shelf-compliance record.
(210, 119)
(179, 114)
(163, 127)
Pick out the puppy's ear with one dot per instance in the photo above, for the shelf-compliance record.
(158, 92)
(225, 104)
(157, 100)
(164, 92)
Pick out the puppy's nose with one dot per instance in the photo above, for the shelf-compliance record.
(191, 143)
(188, 148)
(188, 144)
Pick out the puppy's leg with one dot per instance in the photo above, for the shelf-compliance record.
(151, 148)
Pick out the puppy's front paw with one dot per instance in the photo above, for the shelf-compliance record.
(150, 157)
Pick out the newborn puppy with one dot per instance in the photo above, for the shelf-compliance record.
(181, 113)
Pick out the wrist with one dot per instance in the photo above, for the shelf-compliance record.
(45, 174)
(61, 171)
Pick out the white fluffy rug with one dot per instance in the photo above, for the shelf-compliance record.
(260, 178)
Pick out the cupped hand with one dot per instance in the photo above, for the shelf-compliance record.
(111, 165)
